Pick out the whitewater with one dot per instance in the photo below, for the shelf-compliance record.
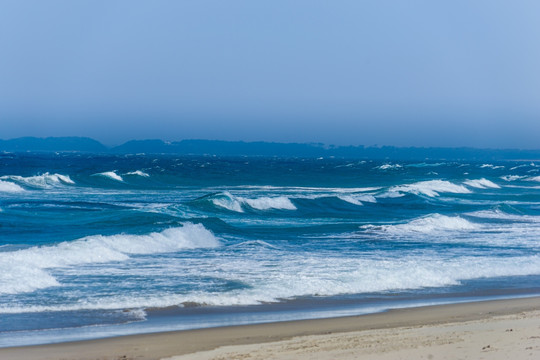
(102, 245)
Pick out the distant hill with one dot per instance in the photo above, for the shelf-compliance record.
(52, 144)
(240, 148)
(217, 147)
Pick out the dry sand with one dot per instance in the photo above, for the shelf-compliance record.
(502, 329)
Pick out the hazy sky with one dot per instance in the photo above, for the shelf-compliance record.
(387, 72)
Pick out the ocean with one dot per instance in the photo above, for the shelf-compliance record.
(94, 245)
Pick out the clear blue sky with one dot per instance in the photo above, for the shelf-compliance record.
(387, 72)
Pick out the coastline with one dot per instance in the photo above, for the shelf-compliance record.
(170, 344)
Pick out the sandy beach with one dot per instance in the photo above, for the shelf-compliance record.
(499, 329)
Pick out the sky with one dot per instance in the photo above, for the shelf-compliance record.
(381, 72)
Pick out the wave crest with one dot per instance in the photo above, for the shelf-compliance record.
(138, 173)
(44, 181)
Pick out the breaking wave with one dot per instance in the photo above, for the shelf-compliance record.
(26, 270)
(237, 203)
(428, 224)
(44, 181)
(430, 188)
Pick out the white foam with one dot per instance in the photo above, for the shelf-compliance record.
(25, 270)
(511, 177)
(430, 188)
(482, 184)
(535, 178)
(138, 173)
(313, 275)
(9, 187)
(43, 181)
(389, 167)
(491, 166)
(429, 224)
(111, 175)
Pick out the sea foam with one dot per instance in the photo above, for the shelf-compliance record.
(511, 177)
(389, 167)
(491, 166)
(298, 276)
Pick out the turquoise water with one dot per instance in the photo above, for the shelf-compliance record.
(101, 245)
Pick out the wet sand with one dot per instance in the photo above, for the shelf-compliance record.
(499, 329)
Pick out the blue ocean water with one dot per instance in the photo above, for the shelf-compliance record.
(101, 245)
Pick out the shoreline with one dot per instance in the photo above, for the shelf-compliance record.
(175, 343)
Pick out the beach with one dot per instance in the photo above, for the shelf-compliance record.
(497, 329)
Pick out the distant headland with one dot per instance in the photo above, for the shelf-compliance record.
(259, 148)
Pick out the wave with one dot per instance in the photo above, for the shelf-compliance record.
(430, 188)
(501, 215)
(138, 173)
(111, 175)
(26, 270)
(428, 224)
(9, 187)
(237, 203)
(482, 184)
(43, 181)
(358, 199)
(535, 178)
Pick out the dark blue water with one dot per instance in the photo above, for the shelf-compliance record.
(94, 245)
